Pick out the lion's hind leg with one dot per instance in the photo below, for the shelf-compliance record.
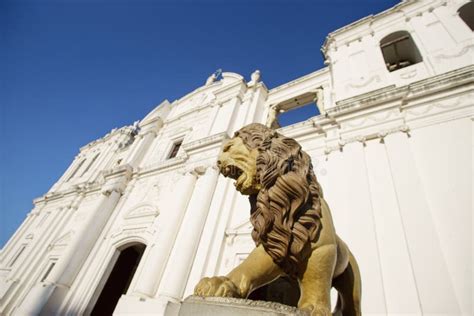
(348, 285)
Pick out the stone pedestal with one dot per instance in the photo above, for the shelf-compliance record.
(223, 306)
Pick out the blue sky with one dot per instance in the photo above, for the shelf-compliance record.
(70, 71)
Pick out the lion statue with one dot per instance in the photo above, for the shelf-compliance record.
(292, 226)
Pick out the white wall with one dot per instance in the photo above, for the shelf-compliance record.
(395, 166)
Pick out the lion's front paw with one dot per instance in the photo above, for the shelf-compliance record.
(216, 286)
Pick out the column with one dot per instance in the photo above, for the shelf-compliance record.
(61, 277)
(179, 265)
(169, 222)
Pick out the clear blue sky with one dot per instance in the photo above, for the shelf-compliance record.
(70, 71)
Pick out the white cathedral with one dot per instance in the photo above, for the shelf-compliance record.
(142, 214)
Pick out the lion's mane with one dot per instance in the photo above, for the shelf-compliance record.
(286, 212)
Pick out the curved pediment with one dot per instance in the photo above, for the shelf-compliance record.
(159, 113)
(232, 77)
(142, 210)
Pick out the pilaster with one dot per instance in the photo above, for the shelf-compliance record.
(169, 222)
(181, 260)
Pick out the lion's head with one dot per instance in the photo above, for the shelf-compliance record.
(283, 192)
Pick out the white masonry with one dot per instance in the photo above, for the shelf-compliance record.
(392, 149)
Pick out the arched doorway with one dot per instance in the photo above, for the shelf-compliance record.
(119, 279)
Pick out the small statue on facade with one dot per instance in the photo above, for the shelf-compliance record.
(292, 226)
(272, 116)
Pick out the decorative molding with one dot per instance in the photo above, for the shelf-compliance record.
(243, 229)
(307, 77)
(382, 94)
(409, 74)
(417, 89)
(142, 210)
(126, 130)
(375, 78)
(364, 138)
(375, 118)
(165, 165)
(130, 231)
(461, 52)
(216, 139)
(423, 110)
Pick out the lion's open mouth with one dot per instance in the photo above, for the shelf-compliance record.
(234, 172)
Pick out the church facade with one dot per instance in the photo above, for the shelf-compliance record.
(142, 214)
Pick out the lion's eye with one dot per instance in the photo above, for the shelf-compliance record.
(226, 147)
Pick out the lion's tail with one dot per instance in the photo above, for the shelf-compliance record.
(348, 284)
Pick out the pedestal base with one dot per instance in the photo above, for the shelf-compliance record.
(223, 306)
(133, 305)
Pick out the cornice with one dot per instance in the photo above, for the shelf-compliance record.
(448, 80)
(389, 110)
(122, 170)
(371, 19)
(373, 97)
(85, 188)
(115, 131)
(163, 166)
(210, 141)
(299, 80)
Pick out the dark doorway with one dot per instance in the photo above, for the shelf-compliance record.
(284, 290)
(119, 280)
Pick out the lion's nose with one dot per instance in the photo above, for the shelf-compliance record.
(219, 163)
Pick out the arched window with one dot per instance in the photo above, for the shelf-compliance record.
(119, 279)
(466, 13)
(399, 50)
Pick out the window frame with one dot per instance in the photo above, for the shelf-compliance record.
(400, 38)
(47, 270)
(174, 150)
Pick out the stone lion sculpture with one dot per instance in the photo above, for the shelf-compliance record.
(292, 226)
